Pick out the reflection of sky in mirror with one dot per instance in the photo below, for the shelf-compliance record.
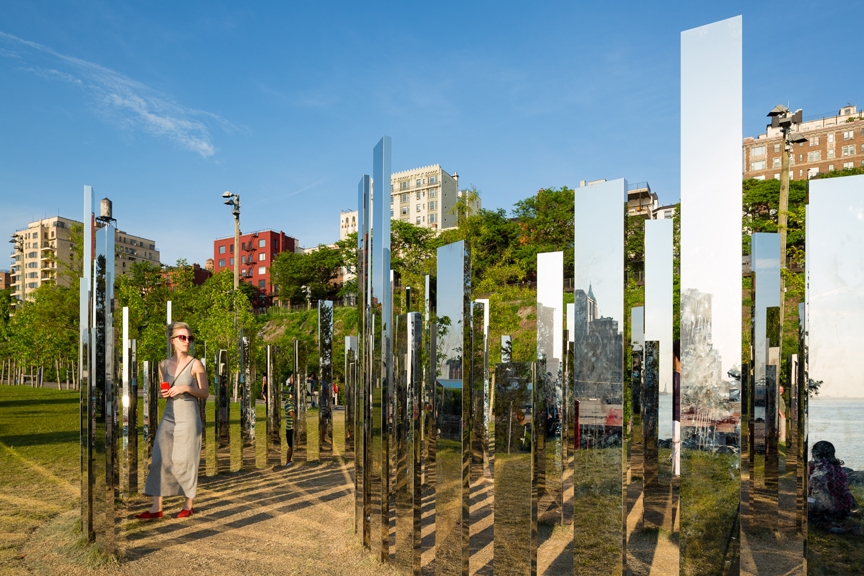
(599, 245)
(550, 294)
(835, 262)
(658, 294)
(450, 295)
(766, 268)
(711, 136)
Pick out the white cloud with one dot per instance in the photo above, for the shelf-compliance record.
(125, 101)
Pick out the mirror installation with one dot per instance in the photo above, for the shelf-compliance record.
(644, 431)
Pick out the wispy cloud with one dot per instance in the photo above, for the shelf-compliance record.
(294, 192)
(121, 99)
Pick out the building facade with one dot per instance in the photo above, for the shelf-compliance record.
(833, 143)
(44, 250)
(5, 280)
(258, 250)
(347, 223)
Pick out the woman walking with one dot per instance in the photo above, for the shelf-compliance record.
(177, 449)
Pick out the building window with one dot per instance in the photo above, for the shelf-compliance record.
(432, 218)
(262, 283)
(814, 156)
(391, 213)
(231, 261)
(404, 210)
(418, 195)
(757, 151)
(760, 165)
(221, 262)
(849, 135)
(431, 193)
(404, 198)
(262, 243)
(419, 182)
(814, 141)
(848, 165)
(262, 256)
(830, 167)
(830, 153)
(404, 186)
(418, 208)
(848, 150)
(776, 163)
(243, 245)
(831, 138)
(776, 176)
(391, 200)
(776, 148)
(242, 259)
(431, 179)
(262, 270)
(231, 248)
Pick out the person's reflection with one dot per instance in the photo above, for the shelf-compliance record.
(829, 498)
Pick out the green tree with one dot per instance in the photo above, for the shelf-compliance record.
(546, 225)
(317, 270)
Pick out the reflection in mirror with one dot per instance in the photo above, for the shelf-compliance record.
(482, 485)
(325, 380)
(835, 337)
(428, 423)
(274, 405)
(350, 393)
(300, 392)
(453, 405)
(506, 349)
(407, 383)
(515, 527)
(598, 380)
(247, 406)
(223, 414)
(710, 310)
(362, 494)
(85, 369)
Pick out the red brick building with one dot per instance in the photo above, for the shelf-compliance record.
(257, 252)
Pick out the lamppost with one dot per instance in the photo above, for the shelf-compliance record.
(233, 200)
(18, 244)
(785, 120)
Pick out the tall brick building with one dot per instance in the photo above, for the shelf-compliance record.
(833, 143)
(257, 252)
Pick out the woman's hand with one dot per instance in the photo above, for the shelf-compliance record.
(176, 391)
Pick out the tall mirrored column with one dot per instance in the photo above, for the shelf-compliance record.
(150, 383)
(408, 384)
(102, 390)
(299, 390)
(350, 373)
(637, 361)
(482, 485)
(222, 420)
(453, 411)
(660, 488)
(834, 320)
(325, 380)
(515, 527)
(428, 423)
(274, 405)
(132, 454)
(247, 406)
(379, 330)
(598, 377)
(85, 367)
(362, 494)
(710, 295)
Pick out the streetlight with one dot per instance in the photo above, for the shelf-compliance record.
(785, 120)
(18, 244)
(233, 200)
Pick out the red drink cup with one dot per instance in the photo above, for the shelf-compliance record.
(165, 386)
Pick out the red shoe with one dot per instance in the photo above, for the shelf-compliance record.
(147, 515)
(184, 513)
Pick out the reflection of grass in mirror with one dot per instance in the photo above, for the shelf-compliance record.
(829, 553)
(312, 434)
(597, 511)
(512, 513)
(709, 504)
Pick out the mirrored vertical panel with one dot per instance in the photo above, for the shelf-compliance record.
(361, 398)
(710, 295)
(350, 393)
(85, 286)
(379, 331)
(428, 425)
(453, 410)
(300, 392)
(659, 497)
(598, 377)
(274, 404)
(132, 452)
(325, 380)
(482, 486)
(515, 550)
(123, 460)
(835, 335)
(223, 412)
(407, 385)
(149, 383)
(247, 406)
(637, 347)
(102, 390)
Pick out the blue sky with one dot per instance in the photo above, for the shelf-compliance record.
(161, 107)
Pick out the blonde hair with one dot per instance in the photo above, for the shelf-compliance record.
(174, 326)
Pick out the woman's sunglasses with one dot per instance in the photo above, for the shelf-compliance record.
(184, 338)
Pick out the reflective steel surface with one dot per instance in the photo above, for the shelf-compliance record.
(325, 379)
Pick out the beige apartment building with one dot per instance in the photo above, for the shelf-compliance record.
(424, 196)
(833, 143)
(43, 251)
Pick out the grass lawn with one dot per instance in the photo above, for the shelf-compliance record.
(829, 553)
(39, 459)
